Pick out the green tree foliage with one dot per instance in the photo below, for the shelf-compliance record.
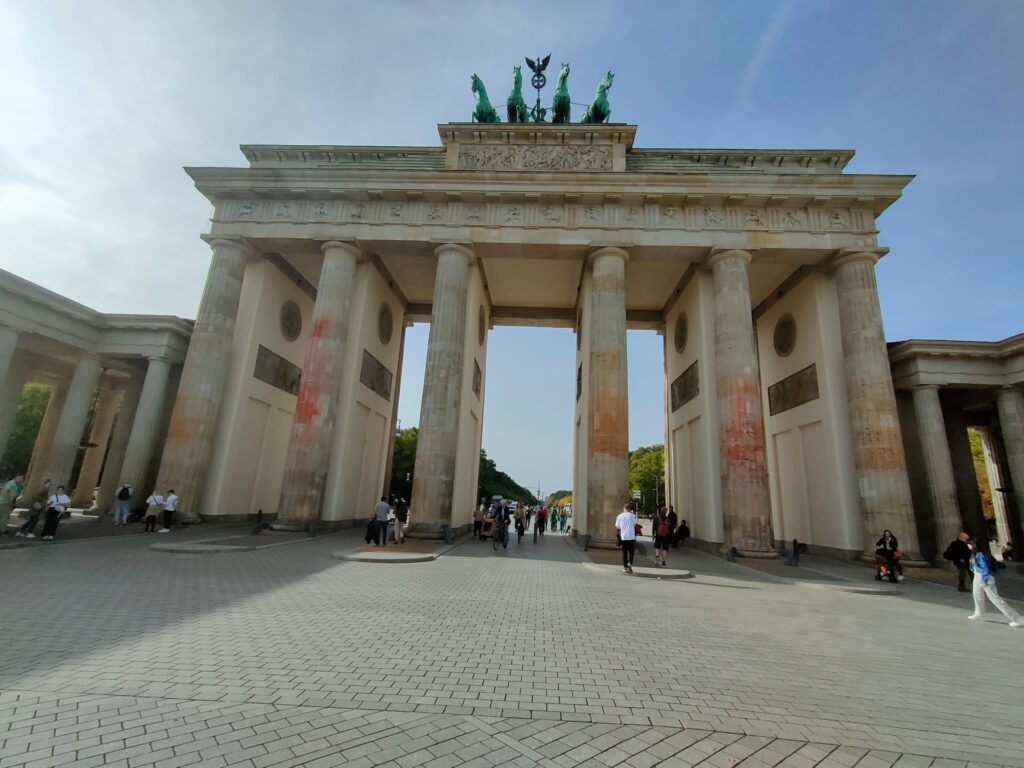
(557, 496)
(984, 489)
(24, 430)
(493, 482)
(647, 475)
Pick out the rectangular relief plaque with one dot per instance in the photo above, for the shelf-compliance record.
(685, 387)
(800, 388)
(274, 370)
(375, 376)
(531, 157)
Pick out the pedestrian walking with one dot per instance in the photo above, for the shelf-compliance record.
(959, 554)
(170, 504)
(561, 519)
(122, 504)
(56, 506)
(478, 521)
(662, 531)
(36, 507)
(9, 494)
(985, 586)
(401, 518)
(380, 517)
(626, 524)
(154, 505)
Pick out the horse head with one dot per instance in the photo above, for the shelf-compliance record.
(476, 81)
(517, 76)
(563, 73)
(606, 81)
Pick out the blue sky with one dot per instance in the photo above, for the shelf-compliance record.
(104, 102)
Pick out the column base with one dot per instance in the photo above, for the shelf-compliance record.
(758, 554)
(908, 562)
(180, 519)
(290, 525)
(596, 543)
(425, 531)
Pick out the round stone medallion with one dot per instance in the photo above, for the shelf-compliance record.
(481, 326)
(385, 323)
(291, 320)
(785, 335)
(681, 333)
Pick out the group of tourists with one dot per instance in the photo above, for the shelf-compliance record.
(381, 521)
(500, 516)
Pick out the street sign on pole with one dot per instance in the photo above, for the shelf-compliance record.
(636, 494)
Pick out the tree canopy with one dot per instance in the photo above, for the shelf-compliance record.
(30, 413)
(647, 475)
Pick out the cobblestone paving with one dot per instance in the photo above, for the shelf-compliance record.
(117, 655)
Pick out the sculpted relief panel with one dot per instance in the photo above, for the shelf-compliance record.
(505, 157)
(561, 215)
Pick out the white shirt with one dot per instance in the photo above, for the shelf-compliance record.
(59, 502)
(154, 501)
(172, 503)
(626, 523)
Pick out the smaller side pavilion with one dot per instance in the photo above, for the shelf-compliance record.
(943, 389)
(112, 381)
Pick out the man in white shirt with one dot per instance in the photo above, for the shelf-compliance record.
(626, 525)
(170, 504)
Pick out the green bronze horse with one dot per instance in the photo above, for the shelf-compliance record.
(484, 112)
(599, 110)
(516, 104)
(560, 105)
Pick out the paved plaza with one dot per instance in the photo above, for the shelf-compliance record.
(114, 654)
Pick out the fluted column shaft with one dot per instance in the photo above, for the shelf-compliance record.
(437, 441)
(608, 398)
(44, 440)
(874, 422)
(312, 435)
(8, 345)
(938, 462)
(99, 436)
(138, 456)
(746, 505)
(67, 440)
(118, 446)
(1010, 405)
(389, 467)
(194, 419)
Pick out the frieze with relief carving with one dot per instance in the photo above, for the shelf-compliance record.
(505, 157)
(659, 215)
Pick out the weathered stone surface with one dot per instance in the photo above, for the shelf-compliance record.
(1010, 403)
(99, 436)
(144, 427)
(73, 417)
(938, 465)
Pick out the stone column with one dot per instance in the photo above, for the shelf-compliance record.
(938, 465)
(34, 477)
(746, 505)
(394, 413)
(99, 436)
(437, 442)
(8, 345)
(608, 428)
(874, 423)
(192, 430)
(118, 446)
(1010, 404)
(309, 449)
(10, 399)
(67, 439)
(138, 455)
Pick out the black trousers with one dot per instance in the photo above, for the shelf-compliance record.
(150, 523)
(962, 574)
(628, 547)
(168, 517)
(30, 524)
(477, 526)
(52, 519)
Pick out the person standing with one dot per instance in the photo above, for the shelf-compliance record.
(985, 585)
(123, 504)
(56, 506)
(170, 504)
(37, 505)
(959, 554)
(154, 504)
(626, 524)
(662, 531)
(9, 494)
(478, 521)
(380, 519)
(401, 518)
(673, 521)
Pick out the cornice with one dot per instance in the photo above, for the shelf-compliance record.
(911, 348)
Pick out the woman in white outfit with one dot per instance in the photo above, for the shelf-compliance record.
(985, 586)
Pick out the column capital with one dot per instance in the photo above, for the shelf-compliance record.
(924, 387)
(348, 247)
(228, 243)
(721, 254)
(852, 255)
(465, 249)
(1009, 389)
(608, 250)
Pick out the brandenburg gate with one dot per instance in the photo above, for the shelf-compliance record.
(756, 266)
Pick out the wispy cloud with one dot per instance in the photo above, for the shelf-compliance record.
(780, 20)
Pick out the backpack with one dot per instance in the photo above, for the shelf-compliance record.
(123, 494)
(663, 526)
